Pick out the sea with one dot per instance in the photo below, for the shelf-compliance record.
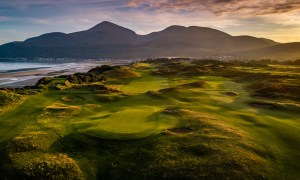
(19, 74)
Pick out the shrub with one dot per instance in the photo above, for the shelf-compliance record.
(8, 99)
(47, 166)
(100, 69)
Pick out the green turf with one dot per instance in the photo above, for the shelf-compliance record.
(144, 84)
(154, 125)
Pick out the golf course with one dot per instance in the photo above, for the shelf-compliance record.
(156, 119)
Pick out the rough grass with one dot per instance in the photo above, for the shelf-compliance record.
(72, 98)
(36, 140)
(276, 89)
(294, 107)
(209, 149)
(206, 149)
(46, 166)
(91, 107)
(229, 93)
(198, 84)
(121, 73)
(59, 110)
(8, 100)
(110, 97)
(58, 116)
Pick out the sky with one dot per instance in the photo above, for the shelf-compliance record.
(274, 19)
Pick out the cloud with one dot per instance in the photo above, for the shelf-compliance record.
(132, 4)
(4, 18)
(221, 7)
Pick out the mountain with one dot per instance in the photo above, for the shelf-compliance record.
(109, 40)
(106, 33)
(196, 42)
(103, 33)
(287, 51)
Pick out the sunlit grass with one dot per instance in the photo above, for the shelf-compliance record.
(149, 126)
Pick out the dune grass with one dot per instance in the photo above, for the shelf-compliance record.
(182, 120)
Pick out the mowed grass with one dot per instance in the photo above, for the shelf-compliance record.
(154, 127)
(127, 123)
(144, 84)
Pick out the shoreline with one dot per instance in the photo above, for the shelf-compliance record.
(18, 78)
(16, 74)
(22, 78)
(21, 84)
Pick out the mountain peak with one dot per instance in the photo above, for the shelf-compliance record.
(106, 23)
(193, 32)
(174, 28)
(110, 27)
(103, 25)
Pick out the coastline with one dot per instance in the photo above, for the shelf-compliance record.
(16, 74)
(21, 84)
(18, 78)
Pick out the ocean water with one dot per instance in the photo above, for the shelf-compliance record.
(19, 74)
(17, 66)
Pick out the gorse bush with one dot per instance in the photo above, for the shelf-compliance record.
(8, 98)
(80, 78)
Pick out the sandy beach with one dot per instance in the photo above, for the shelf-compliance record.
(22, 74)
(20, 77)
(20, 84)
(23, 77)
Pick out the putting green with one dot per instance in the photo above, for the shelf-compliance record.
(127, 123)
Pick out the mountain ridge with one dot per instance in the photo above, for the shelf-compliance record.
(109, 40)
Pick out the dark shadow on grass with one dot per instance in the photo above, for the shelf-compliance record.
(100, 117)
(253, 120)
(6, 168)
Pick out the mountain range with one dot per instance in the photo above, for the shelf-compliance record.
(109, 40)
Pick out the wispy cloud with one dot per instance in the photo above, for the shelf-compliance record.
(4, 18)
(221, 7)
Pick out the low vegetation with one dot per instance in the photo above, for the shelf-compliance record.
(46, 166)
(8, 100)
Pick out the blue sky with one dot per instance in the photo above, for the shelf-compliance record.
(277, 19)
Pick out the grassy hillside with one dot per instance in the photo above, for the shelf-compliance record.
(176, 119)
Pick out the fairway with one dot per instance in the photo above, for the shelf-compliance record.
(144, 84)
